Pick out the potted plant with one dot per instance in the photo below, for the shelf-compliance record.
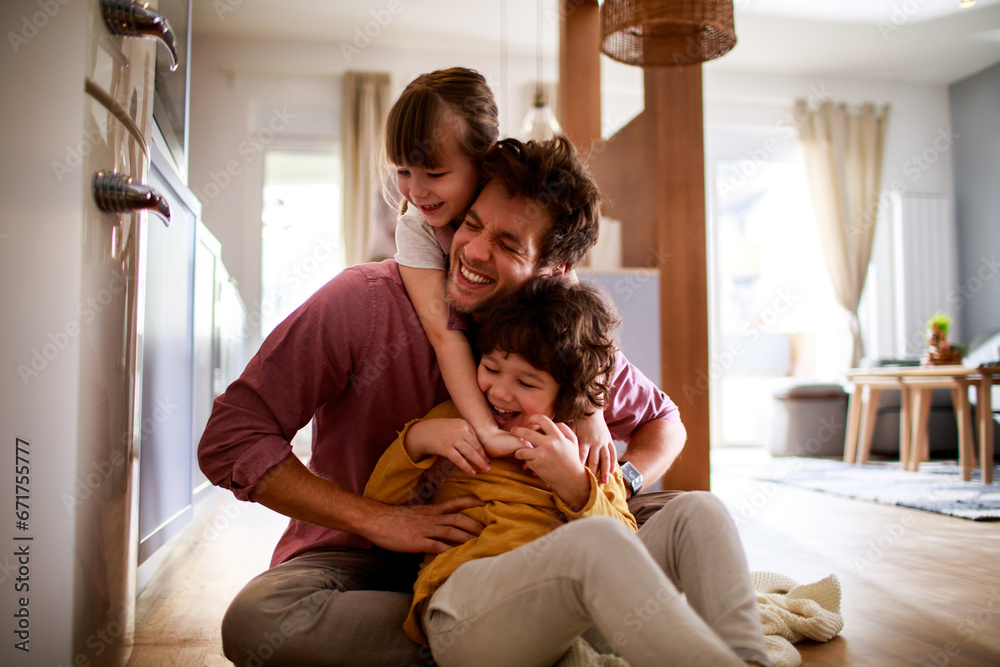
(939, 351)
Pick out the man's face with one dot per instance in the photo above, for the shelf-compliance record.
(496, 250)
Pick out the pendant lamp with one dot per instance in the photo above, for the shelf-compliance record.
(540, 122)
(665, 33)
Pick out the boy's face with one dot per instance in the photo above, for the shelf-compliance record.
(515, 389)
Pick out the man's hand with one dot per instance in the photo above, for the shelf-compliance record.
(423, 528)
(452, 439)
(597, 447)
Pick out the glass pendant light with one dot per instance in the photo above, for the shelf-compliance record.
(540, 122)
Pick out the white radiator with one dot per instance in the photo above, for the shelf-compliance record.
(925, 266)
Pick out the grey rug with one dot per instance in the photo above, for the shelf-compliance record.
(937, 487)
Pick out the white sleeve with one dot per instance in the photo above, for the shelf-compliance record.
(416, 245)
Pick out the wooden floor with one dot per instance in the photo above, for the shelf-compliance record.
(918, 588)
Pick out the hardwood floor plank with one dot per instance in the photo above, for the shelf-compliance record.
(919, 589)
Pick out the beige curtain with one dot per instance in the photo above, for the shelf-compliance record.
(843, 151)
(365, 105)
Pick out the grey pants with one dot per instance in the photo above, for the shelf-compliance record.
(525, 607)
(343, 607)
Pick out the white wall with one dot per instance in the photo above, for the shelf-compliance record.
(247, 95)
(917, 153)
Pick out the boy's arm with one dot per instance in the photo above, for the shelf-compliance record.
(426, 288)
(554, 457)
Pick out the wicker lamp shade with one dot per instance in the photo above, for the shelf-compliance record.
(661, 33)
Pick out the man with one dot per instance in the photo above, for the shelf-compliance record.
(355, 359)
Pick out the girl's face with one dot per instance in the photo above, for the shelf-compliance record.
(515, 389)
(442, 194)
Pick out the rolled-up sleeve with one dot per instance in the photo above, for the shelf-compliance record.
(306, 361)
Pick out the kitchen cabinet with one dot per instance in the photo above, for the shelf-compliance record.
(76, 140)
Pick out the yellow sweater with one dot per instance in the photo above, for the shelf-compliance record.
(519, 507)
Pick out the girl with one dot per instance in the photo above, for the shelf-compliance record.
(436, 134)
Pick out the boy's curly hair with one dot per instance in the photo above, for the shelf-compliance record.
(565, 330)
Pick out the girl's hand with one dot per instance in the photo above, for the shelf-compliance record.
(453, 439)
(597, 447)
(554, 455)
(500, 444)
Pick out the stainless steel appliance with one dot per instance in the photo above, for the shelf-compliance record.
(77, 114)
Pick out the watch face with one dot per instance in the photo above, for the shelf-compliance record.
(632, 476)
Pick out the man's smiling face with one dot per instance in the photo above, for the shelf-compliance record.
(496, 250)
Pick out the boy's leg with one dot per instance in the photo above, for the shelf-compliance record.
(694, 540)
(525, 607)
(330, 607)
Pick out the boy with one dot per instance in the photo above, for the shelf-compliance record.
(547, 355)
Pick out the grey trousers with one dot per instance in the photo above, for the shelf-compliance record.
(525, 607)
(344, 607)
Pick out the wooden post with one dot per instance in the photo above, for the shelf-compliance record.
(579, 104)
(674, 108)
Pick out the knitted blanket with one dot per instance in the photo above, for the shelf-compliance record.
(791, 612)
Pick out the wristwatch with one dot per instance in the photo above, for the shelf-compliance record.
(632, 476)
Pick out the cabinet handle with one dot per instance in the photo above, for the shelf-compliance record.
(115, 193)
(131, 18)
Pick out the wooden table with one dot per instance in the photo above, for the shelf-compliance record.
(915, 384)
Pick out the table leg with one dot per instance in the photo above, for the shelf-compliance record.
(905, 419)
(853, 422)
(984, 410)
(966, 450)
(868, 424)
(921, 411)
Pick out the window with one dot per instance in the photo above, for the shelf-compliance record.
(302, 238)
(772, 298)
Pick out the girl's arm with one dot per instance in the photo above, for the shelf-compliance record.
(454, 355)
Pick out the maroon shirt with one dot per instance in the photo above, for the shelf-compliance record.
(355, 358)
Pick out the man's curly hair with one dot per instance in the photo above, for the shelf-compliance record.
(565, 330)
(551, 176)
